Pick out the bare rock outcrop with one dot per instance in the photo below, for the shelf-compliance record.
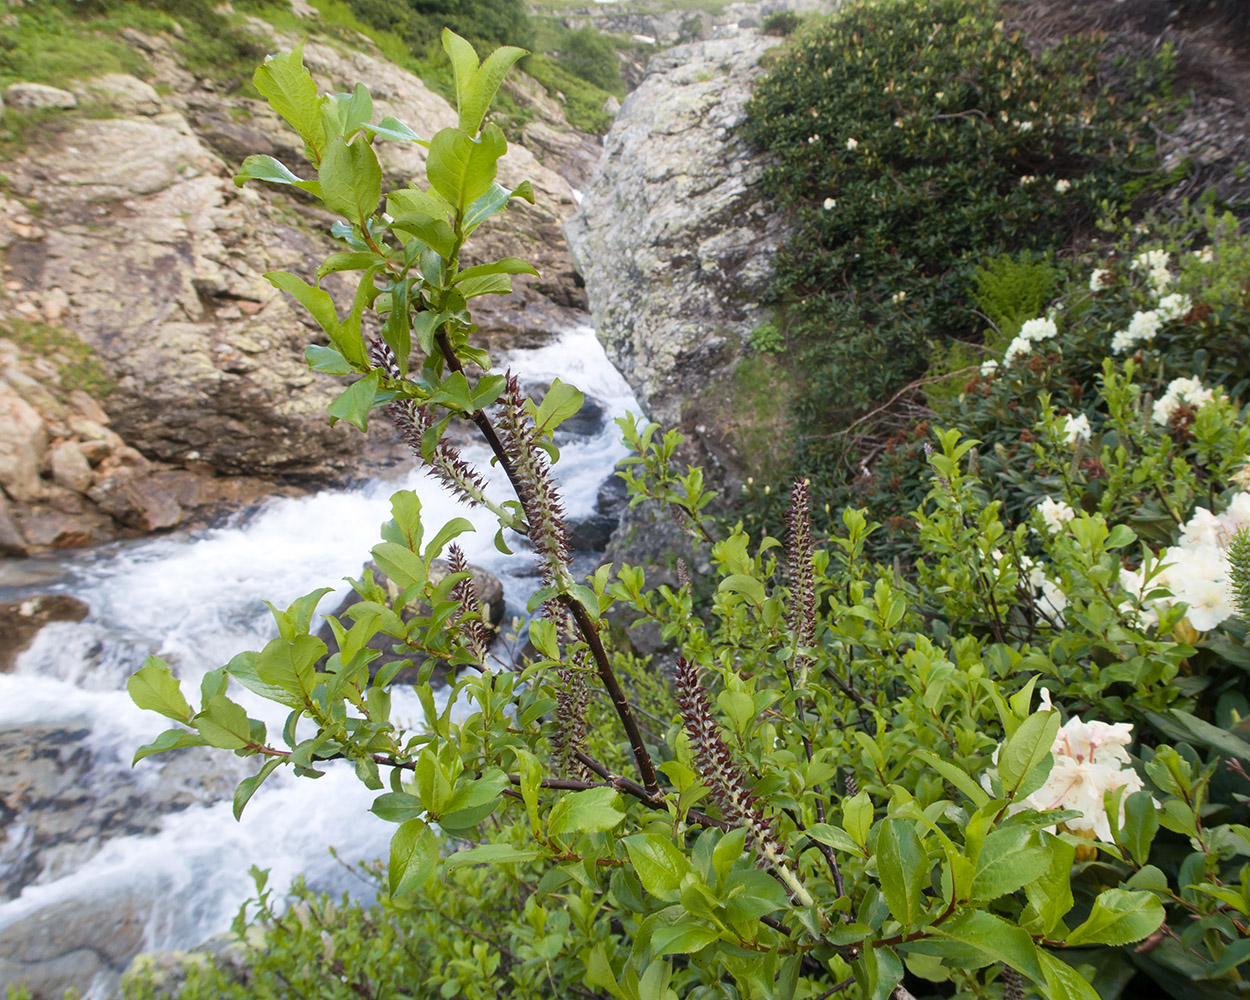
(127, 234)
(675, 240)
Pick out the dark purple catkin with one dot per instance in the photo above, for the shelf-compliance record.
(470, 618)
(718, 769)
(569, 738)
(412, 420)
(544, 513)
(801, 615)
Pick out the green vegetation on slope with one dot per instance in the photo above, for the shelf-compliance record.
(904, 172)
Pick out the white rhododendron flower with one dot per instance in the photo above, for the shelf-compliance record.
(1099, 280)
(1172, 307)
(1151, 260)
(1090, 760)
(1076, 429)
(1038, 329)
(1205, 255)
(1141, 330)
(830, 203)
(1196, 570)
(1062, 185)
(1187, 391)
(1052, 602)
(1055, 513)
(1028, 179)
(1015, 349)
(989, 366)
(852, 144)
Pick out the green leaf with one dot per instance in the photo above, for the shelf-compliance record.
(509, 265)
(591, 811)
(327, 359)
(1050, 896)
(154, 688)
(1027, 749)
(1141, 823)
(321, 307)
(682, 937)
(495, 200)
(243, 669)
(490, 284)
(834, 837)
(1007, 862)
(355, 402)
(659, 865)
(857, 817)
(462, 169)
(392, 128)
(397, 807)
(247, 787)
(1119, 917)
(561, 402)
(749, 586)
(289, 665)
(414, 855)
(224, 724)
(265, 168)
(993, 939)
(356, 260)
(170, 739)
(433, 232)
(491, 854)
(290, 90)
(904, 870)
(396, 330)
(1183, 726)
(1063, 981)
(452, 529)
(401, 564)
(351, 179)
(957, 776)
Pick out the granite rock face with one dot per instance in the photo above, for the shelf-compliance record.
(126, 232)
(675, 239)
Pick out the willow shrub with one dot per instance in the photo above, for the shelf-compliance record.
(911, 139)
(848, 780)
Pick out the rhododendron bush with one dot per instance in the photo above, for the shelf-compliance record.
(1012, 764)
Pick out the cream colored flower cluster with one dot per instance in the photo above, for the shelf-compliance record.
(1033, 332)
(1181, 391)
(1196, 570)
(1090, 760)
(1146, 323)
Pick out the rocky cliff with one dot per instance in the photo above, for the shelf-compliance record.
(675, 240)
(121, 230)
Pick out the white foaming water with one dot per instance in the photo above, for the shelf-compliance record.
(196, 600)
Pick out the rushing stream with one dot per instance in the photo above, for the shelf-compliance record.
(196, 600)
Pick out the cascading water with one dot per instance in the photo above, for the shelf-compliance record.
(196, 600)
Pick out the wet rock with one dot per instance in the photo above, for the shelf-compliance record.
(37, 97)
(20, 622)
(76, 943)
(23, 446)
(137, 501)
(46, 527)
(591, 534)
(63, 795)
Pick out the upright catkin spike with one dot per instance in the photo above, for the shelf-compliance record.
(412, 420)
(470, 618)
(720, 772)
(801, 614)
(534, 484)
(1013, 984)
(569, 738)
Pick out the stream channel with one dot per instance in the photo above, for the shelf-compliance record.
(169, 868)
